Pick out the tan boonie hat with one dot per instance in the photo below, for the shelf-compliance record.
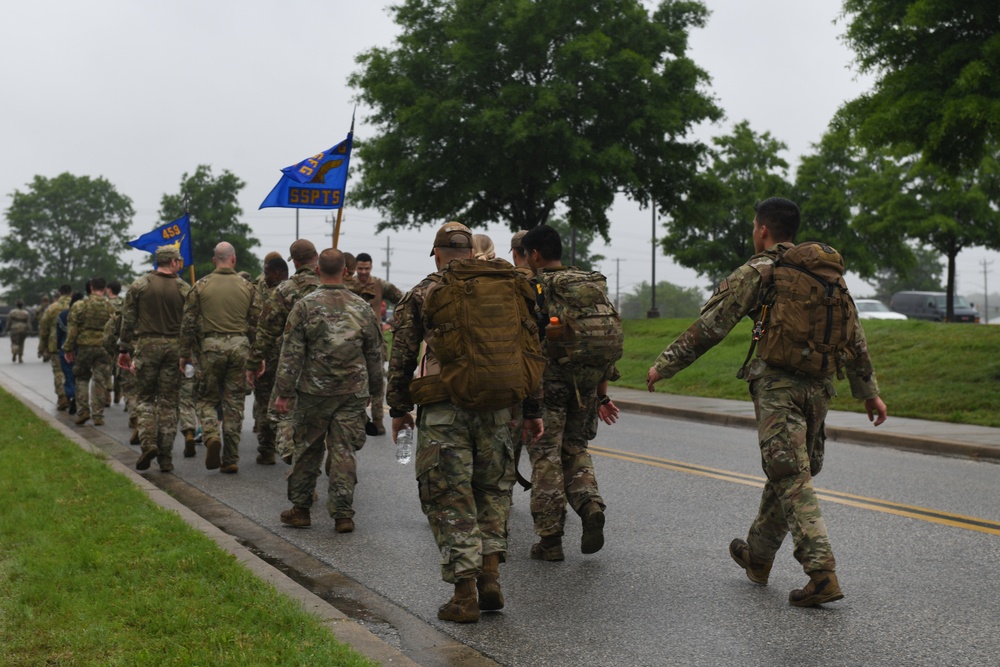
(452, 235)
(302, 250)
(515, 241)
(167, 252)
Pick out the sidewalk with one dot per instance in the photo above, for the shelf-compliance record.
(929, 437)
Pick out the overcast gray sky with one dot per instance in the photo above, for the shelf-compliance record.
(142, 92)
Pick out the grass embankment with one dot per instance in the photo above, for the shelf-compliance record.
(926, 370)
(92, 572)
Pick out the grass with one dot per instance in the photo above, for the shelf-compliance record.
(926, 370)
(92, 572)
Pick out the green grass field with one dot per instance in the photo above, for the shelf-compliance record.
(92, 572)
(926, 370)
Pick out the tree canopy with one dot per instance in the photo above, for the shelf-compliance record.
(66, 229)
(671, 301)
(213, 204)
(505, 109)
(937, 92)
(710, 231)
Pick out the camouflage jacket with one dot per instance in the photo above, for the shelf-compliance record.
(86, 321)
(18, 321)
(47, 327)
(408, 338)
(275, 312)
(736, 297)
(375, 291)
(332, 345)
(222, 302)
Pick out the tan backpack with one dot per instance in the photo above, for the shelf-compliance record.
(483, 335)
(807, 314)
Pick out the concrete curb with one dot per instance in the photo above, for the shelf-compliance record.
(338, 623)
(871, 437)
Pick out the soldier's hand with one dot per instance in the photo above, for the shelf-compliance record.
(608, 412)
(261, 368)
(69, 356)
(875, 406)
(281, 405)
(652, 377)
(532, 430)
(399, 422)
(251, 378)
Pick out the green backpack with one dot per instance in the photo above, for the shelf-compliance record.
(593, 328)
(483, 334)
(807, 314)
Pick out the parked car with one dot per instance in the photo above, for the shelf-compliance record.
(873, 309)
(932, 306)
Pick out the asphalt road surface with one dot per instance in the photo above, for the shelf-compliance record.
(917, 541)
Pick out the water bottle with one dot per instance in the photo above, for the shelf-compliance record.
(189, 370)
(556, 335)
(404, 445)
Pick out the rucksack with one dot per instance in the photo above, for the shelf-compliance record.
(594, 335)
(807, 313)
(483, 335)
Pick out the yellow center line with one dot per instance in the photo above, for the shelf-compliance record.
(851, 500)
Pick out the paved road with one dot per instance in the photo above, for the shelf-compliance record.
(917, 539)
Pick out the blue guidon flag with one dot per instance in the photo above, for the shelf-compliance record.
(176, 233)
(316, 182)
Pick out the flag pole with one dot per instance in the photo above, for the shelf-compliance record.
(340, 211)
(187, 212)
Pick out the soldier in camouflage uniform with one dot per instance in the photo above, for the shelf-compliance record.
(48, 347)
(302, 254)
(18, 324)
(148, 346)
(331, 360)
(790, 409)
(374, 290)
(464, 458)
(562, 470)
(84, 348)
(220, 319)
(275, 272)
(125, 379)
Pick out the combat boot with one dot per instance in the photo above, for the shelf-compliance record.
(297, 517)
(146, 457)
(230, 468)
(134, 439)
(549, 548)
(488, 584)
(462, 607)
(593, 529)
(72, 406)
(213, 453)
(98, 421)
(757, 572)
(344, 525)
(82, 418)
(266, 458)
(62, 404)
(822, 588)
(189, 451)
(166, 463)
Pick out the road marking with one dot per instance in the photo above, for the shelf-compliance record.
(874, 504)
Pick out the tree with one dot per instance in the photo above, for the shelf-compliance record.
(671, 301)
(508, 109)
(65, 229)
(215, 211)
(710, 231)
(924, 276)
(937, 92)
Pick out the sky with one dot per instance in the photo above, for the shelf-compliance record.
(143, 92)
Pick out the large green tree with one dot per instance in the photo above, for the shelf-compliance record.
(671, 301)
(507, 109)
(924, 276)
(710, 231)
(65, 229)
(936, 92)
(213, 202)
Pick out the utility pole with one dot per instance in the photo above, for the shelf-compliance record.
(618, 284)
(387, 261)
(653, 313)
(296, 224)
(986, 293)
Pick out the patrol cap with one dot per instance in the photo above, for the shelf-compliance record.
(165, 253)
(515, 241)
(302, 250)
(452, 235)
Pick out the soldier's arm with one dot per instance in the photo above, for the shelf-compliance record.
(130, 318)
(293, 352)
(190, 326)
(391, 293)
(272, 321)
(733, 300)
(407, 334)
(73, 326)
(253, 316)
(860, 371)
(373, 354)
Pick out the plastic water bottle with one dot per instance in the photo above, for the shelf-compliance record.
(189, 370)
(404, 445)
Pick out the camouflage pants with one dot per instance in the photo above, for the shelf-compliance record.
(262, 416)
(157, 383)
(339, 421)
(223, 381)
(284, 428)
(91, 363)
(562, 471)
(790, 413)
(188, 417)
(465, 473)
(17, 338)
(57, 376)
